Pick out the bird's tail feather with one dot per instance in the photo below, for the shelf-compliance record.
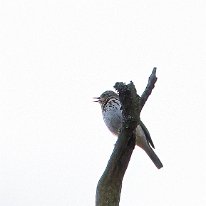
(155, 159)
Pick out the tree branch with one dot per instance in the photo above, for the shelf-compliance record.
(148, 90)
(109, 186)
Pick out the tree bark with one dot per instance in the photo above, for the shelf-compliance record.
(109, 186)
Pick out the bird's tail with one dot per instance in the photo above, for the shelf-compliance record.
(155, 159)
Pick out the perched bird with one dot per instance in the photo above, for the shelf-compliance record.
(112, 115)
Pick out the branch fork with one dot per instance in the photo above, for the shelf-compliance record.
(109, 186)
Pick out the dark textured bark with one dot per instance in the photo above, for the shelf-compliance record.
(109, 186)
(148, 90)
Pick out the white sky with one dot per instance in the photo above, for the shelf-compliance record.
(56, 55)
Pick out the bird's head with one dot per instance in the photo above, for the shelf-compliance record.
(105, 97)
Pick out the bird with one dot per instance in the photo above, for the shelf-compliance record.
(112, 115)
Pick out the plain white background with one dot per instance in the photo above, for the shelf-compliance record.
(56, 55)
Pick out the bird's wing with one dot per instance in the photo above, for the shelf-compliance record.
(147, 134)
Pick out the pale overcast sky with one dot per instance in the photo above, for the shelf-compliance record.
(56, 55)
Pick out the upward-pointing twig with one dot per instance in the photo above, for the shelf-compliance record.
(148, 90)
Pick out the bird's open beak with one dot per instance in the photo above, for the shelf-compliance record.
(96, 99)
